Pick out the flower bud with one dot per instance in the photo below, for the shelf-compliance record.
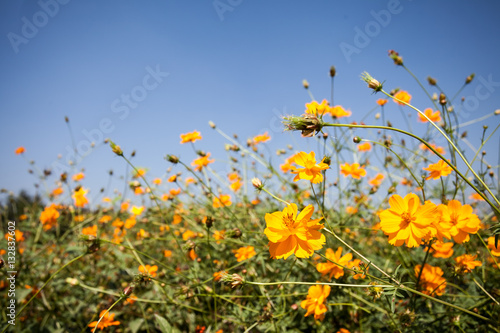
(442, 99)
(115, 148)
(211, 124)
(129, 290)
(332, 71)
(469, 78)
(356, 139)
(257, 183)
(497, 112)
(305, 84)
(432, 81)
(172, 159)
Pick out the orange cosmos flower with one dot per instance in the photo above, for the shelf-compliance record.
(442, 250)
(261, 138)
(105, 219)
(174, 191)
(365, 146)
(192, 254)
(434, 116)
(49, 216)
(19, 236)
(124, 206)
(190, 180)
(190, 137)
(355, 264)
(130, 222)
(403, 96)
(476, 196)
(377, 180)
(167, 253)
(79, 197)
(338, 112)
(139, 172)
(436, 148)
(20, 150)
(108, 319)
(343, 330)
(218, 235)
(431, 280)
(138, 190)
(351, 210)
(438, 170)
(188, 234)
(334, 268)
(172, 179)
(310, 171)
(222, 201)
(317, 109)
(289, 233)
(201, 162)
(491, 245)
(459, 220)
(287, 166)
(157, 181)
(244, 253)
(79, 176)
(381, 101)
(236, 186)
(354, 170)
(407, 221)
(90, 231)
(315, 301)
(148, 270)
(177, 219)
(57, 191)
(466, 263)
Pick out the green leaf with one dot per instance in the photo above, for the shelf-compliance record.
(163, 324)
(135, 325)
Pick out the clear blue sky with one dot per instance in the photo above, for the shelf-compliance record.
(237, 63)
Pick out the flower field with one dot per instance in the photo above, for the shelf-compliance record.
(377, 229)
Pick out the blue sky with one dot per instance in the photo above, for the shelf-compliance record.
(239, 63)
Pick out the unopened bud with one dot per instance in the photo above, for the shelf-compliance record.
(356, 139)
(431, 81)
(497, 112)
(128, 291)
(115, 148)
(305, 84)
(66, 119)
(172, 159)
(332, 71)
(257, 183)
(469, 78)
(327, 160)
(211, 124)
(442, 99)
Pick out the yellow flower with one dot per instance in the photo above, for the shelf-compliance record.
(377, 180)
(49, 216)
(289, 233)
(108, 319)
(434, 116)
(403, 96)
(244, 253)
(90, 231)
(338, 112)
(157, 181)
(310, 171)
(354, 170)
(139, 172)
(459, 220)
(466, 263)
(315, 301)
(137, 210)
(381, 101)
(201, 162)
(79, 197)
(442, 250)
(438, 170)
(190, 137)
(79, 176)
(287, 166)
(491, 245)
(334, 269)
(261, 138)
(148, 270)
(431, 280)
(57, 192)
(407, 221)
(317, 109)
(365, 146)
(222, 201)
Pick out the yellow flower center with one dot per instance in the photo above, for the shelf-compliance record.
(288, 220)
(407, 218)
